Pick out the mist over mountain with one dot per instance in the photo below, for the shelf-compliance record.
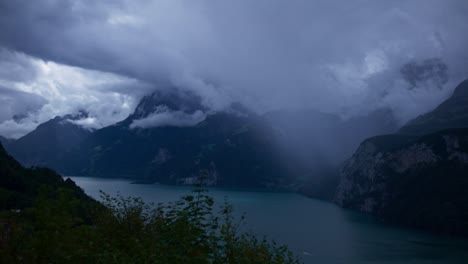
(169, 108)
(360, 102)
(338, 57)
(45, 145)
(433, 71)
(172, 138)
(452, 113)
(416, 177)
(327, 139)
(234, 148)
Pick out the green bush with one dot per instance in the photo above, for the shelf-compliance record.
(46, 219)
(64, 229)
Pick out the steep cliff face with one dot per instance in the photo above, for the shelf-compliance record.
(419, 182)
(417, 177)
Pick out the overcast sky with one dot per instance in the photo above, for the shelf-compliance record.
(340, 56)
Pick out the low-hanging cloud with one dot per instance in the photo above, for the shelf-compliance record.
(337, 56)
(163, 117)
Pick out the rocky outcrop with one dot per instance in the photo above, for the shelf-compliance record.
(419, 182)
(417, 177)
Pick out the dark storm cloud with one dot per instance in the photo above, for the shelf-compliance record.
(334, 55)
(37, 91)
(41, 28)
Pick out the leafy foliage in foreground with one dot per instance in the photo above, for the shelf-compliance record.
(127, 230)
(46, 219)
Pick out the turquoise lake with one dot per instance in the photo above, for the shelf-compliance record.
(317, 231)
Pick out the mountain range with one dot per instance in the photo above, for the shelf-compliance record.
(45, 145)
(171, 138)
(231, 149)
(417, 177)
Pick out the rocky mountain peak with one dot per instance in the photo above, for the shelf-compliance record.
(184, 101)
(81, 114)
(50, 140)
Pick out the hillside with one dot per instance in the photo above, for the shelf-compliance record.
(6, 141)
(235, 147)
(49, 141)
(452, 113)
(414, 180)
(45, 219)
(19, 186)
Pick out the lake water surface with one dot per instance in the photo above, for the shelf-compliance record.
(320, 232)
